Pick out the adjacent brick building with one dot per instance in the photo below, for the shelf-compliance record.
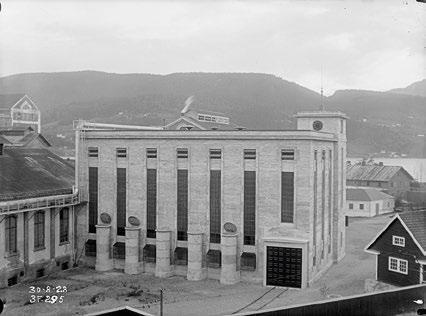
(228, 204)
(37, 205)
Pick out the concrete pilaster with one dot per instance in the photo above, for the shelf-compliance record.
(196, 271)
(131, 265)
(229, 273)
(103, 261)
(162, 265)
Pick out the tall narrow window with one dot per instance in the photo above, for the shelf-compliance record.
(249, 207)
(182, 204)
(93, 199)
(287, 197)
(322, 201)
(342, 173)
(330, 193)
(215, 199)
(314, 230)
(151, 202)
(121, 201)
(39, 230)
(11, 234)
(63, 224)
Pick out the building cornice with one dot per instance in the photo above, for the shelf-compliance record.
(214, 135)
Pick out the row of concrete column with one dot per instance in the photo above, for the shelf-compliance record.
(163, 268)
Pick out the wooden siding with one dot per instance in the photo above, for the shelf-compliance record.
(410, 253)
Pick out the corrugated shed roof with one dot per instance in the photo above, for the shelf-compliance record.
(416, 223)
(28, 173)
(373, 172)
(366, 194)
(9, 100)
(23, 136)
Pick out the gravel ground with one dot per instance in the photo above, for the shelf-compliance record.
(89, 291)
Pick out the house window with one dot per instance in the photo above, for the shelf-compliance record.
(93, 199)
(287, 197)
(287, 154)
(63, 225)
(351, 206)
(182, 205)
(151, 202)
(11, 234)
(93, 152)
(361, 206)
(249, 153)
(39, 230)
(151, 153)
(398, 241)
(398, 265)
(249, 207)
(121, 201)
(182, 152)
(215, 154)
(121, 152)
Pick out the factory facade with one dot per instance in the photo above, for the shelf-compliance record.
(38, 201)
(231, 204)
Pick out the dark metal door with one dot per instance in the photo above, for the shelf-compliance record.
(284, 266)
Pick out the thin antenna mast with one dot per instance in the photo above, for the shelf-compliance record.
(322, 93)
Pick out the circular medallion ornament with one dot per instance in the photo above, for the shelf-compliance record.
(229, 227)
(133, 220)
(317, 125)
(105, 218)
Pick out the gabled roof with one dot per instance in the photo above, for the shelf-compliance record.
(373, 172)
(414, 223)
(9, 100)
(366, 194)
(28, 173)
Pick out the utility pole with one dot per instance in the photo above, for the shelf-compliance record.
(322, 93)
(161, 302)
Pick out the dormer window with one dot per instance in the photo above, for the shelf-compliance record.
(398, 241)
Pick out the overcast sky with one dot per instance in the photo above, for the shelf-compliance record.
(375, 45)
